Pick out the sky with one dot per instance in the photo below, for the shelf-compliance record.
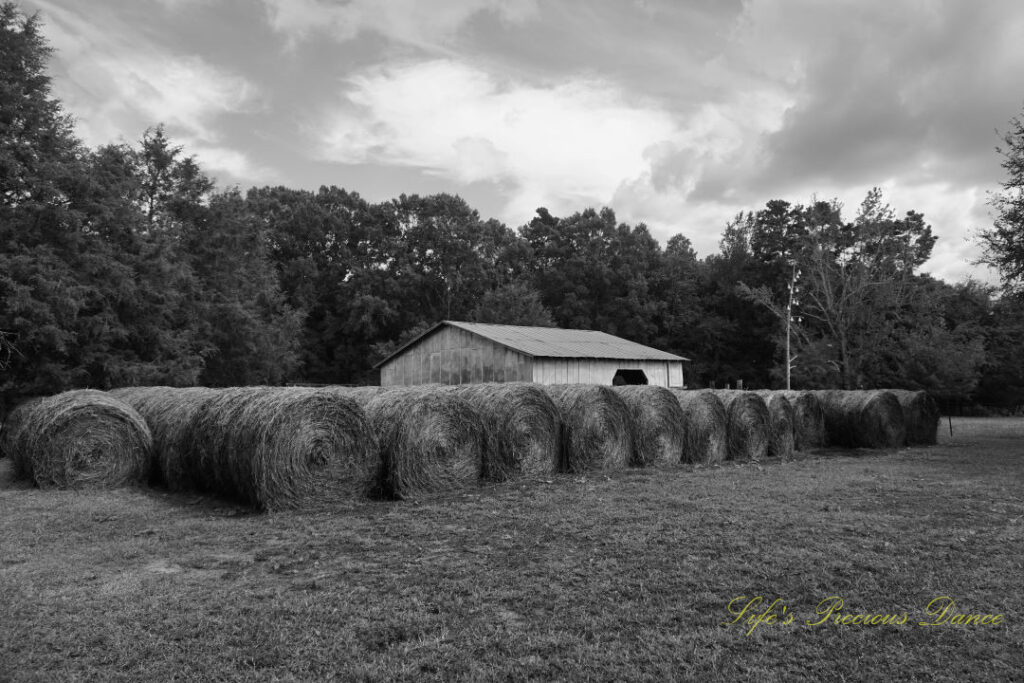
(678, 114)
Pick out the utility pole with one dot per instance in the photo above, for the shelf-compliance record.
(789, 323)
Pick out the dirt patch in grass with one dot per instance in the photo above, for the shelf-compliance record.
(624, 575)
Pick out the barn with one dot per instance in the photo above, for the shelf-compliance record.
(454, 352)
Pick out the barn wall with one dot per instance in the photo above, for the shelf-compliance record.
(600, 371)
(454, 356)
(675, 374)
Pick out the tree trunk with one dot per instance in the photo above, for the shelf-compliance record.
(844, 361)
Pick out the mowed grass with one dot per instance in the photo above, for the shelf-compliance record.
(624, 577)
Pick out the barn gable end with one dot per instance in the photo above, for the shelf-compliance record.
(451, 355)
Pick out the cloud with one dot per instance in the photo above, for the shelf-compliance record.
(114, 80)
(881, 89)
(829, 100)
(181, 4)
(675, 114)
(558, 145)
(236, 164)
(405, 21)
(186, 93)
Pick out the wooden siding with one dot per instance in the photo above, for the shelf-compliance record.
(600, 371)
(454, 356)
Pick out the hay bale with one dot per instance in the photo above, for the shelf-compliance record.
(82, 439)
(522, 428)
(169, 412)
(809, 419)
(597, 430)
(704, 426)
(658, 424)
(747, 425)
(10, 425)
(921, 415)
(363, 394)
(862, 419)
(781, 421)
(281, 447)
(430, 440)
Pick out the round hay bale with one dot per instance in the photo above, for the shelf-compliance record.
(809, 419)
(921, 414)
(281, 447)
(781, 420)
(82, 439)
(862, 419)
(747, 425)
(522, 428)
(597, 430)
(430, 441)
(169, 411)
(658, 424)
(12, 421)
(704, 426)
(363, 394)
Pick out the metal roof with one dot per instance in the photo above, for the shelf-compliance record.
(553, 342)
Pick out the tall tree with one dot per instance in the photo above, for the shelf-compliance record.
(449, 253)
(245, 319)
(39, 162)
(593, 273)
(142, 278)
(740, 337)
(856, 281)
(1002, 378)
(934, 341)
(681, 326)
(323, 245)
(77, 282)
(1004, 242)
(171, 185)
(516, 303)
(39, 154)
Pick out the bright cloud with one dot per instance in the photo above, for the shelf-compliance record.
(118, 86)
(561, 145)
(185, 92)
(408, 21)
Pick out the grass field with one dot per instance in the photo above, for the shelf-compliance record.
(577, 578)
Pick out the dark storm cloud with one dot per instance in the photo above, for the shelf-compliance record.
(913, 95)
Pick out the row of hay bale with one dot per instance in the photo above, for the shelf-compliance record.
(284, 447)
(878, 419)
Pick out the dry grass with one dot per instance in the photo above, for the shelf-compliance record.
(78, 439)
(704, 426)
(748, 426)
(597, 430)
(658, 424)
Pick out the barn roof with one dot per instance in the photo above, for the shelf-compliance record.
(552, 342)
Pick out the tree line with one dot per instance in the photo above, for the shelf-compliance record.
(126, 264)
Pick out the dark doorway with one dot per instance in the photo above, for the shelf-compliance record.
(629, 377)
